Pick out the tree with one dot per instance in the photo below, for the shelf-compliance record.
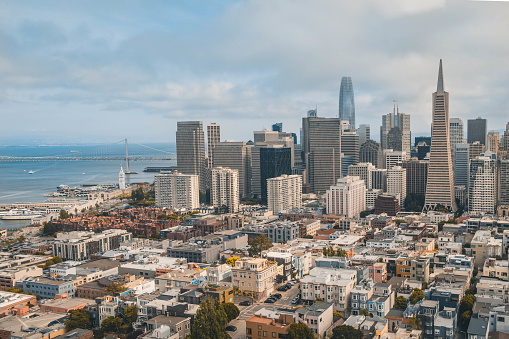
(231, 261)
(400, 303)
(57, 260)
(416, 296)
(318, 299)
(337, 314)
(78, 319)
(465, 311)
(210, 321)
(364, 312)
(415, 323)
(414, 202)
(231, 310)
(131, 314)
(346, 332)
(64, 214)
(465, 320)
(49, 229)
(300, 331)
(111, 324)
(259, 244)
(115, 288)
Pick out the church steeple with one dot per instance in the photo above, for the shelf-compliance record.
(440, 85)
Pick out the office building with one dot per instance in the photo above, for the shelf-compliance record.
(386, 203)
(322, 152)
(364, 132)
(482, 192)
(493, 141)
(370, 151)
(440, 186)
(284, 193)
(393, 158)
(396, 183)
(456, 132)
(177, 191)
(503, 182)
(277, 127)
(477, 130)
(461, 162)
(346, 102)
(213, 138)
(346, 162)
(395, 131)
(191, 150)
(274, 162)
(475, 149)
(364, 171)
(235, 156)
(379, 179)
(350, 145)
(224, 191)
(416, 176)
(282, 231)
(347, 197)
(371, 195)
(421, 151)
(505, 138)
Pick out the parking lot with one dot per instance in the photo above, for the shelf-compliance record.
(247, 312)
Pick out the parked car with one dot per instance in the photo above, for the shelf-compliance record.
(245, 303)
(295, 300)
(277, 295)
(231, 328)
(283, 288)
(270, 301)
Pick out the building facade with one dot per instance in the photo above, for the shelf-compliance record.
(284, 193)
(224, 191)
(347, 197)
(235, 156)
(191, 150)
(177, 191)
(347, 102)
(370, 151)
(482, 192)
(477, 131)
(396, 183)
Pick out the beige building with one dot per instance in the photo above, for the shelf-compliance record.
(177, 191)
(483, 246)
(494, 268)
(213, 138)
(284, 193)
(224, 191)
(256, 276)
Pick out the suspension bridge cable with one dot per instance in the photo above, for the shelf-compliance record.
(152, 148)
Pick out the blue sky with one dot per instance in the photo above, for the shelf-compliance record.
(99, 71)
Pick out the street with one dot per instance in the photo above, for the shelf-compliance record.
(248, 311)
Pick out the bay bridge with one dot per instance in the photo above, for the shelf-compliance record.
(106, 152)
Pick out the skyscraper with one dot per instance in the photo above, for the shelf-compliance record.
(416, 176)
(213, 137)
(346, 102)
(493, 141)
(364, 132)
(362, 170)
(322, 152)
(350, 145)
(177, 191)
(277, 127)
(224, 191)
(482, 192)
(284, 193)
(191, 150)
(236, 156)
(370, 151)
(396, 183)
(440, 187)
(274, 162)
(477, 131)
(505, 138)
(461, 161)
(395, 131)
(503, 181)
(347, 197)
(456, 132)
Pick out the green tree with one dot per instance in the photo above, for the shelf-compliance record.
(78, 319)
(111, 324)
(131, 314)
(337, 314)
(115, 288)
(231, 310)
(400, 303)
(414, 202)
(415, 323)
(346, 332)
(210, 321)
(465, 311)
(56, 260)
(259, 244)
(364, 312)
(465, 320)
(318, 299)
(416, 296)
(64, 214)
(49, 229)
(300, 331)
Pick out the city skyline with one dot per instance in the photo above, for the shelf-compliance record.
(54, 89)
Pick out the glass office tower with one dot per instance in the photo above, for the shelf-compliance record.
(346, 102)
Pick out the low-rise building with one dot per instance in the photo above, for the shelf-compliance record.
(318, 317)
(255, 276)
(494, 268)
(48, 288)
(268, 323)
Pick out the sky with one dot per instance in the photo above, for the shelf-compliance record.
(99, 71)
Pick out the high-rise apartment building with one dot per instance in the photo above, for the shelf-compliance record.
(396, 183)
(191, 150)
(493, 141)
(362, 170)
(416, 176)
(284, 193)
(236, 156)
(274, 162)
(371, 196)
(213, 138)
(177, 191)
(346, 102)
(461, 161)
(482, 192)
(503, 182)
(350, 145)
(395, 131)
(393, 158)
(370, 151)
(224, 190)
(456, 132)
(477, 131)
(322, 152)
(505, 139)
(440, 186)
(364, 132)
(347, 197)
(379, 179)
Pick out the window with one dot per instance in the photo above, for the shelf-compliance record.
(264, 333)
(259, 327)
(248, 330)
(273, 334)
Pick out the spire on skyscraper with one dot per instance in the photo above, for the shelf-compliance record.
(440, 84)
